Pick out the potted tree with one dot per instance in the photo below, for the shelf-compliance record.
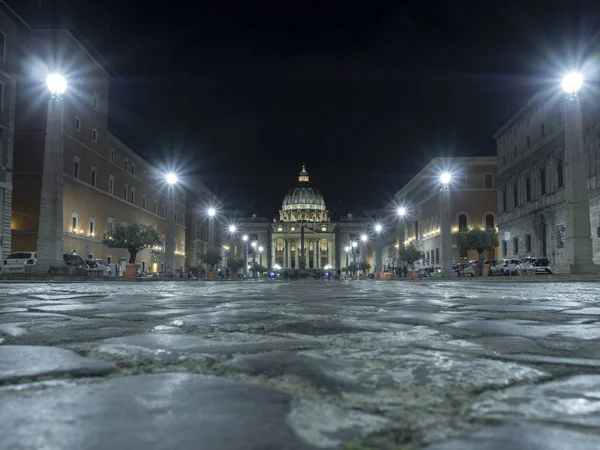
(480, 240)
(212, 258)
(409, 255)
(235, 264)
(133, 237)
(364, 266)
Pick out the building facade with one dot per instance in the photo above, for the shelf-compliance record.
(473, 203)
(532, 179)
(105, 180)
(10, 25)
(304, 237)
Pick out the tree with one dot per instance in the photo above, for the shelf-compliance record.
(235, 263)
(364, 266)
(477, 239)
(131, 236)
(410, 254)
(212, 258)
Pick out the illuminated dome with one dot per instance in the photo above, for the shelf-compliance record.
(303, 203)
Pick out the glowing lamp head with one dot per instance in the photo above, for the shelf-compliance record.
(445, 178)
(254, 244)
(212, 212)
(171, 178)
(401, 211)
(232, 228)
(363, 238)
(347, 248)
(572, 82)
(378, 228)
(56, 83)
(354, 244)
(261, 248)
(245, 238)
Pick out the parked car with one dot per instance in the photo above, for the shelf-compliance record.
(505, 267)
(97, 265)
(18, 262)
(76, 262)
(470, 268)
(534, 266)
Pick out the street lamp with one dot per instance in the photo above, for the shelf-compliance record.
(260, 252)
(578, 242)
(245, 240)
(212, 212)
(445, 225)
(50, 240)
(378, 251)
(254, 244)
(171, 179)
(347, 249)
(232, 229)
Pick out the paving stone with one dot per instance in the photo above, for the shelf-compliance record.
(328, 327)
(523, 438)
(23, 362)
(182, 411)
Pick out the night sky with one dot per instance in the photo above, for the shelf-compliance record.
(241, 93)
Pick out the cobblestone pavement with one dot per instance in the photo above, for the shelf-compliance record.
(303, 365)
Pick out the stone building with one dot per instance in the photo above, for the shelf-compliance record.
(10, 25)
(304, 228)
(473, 198)
(532, 175)
(105, 179)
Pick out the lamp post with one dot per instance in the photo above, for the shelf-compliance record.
(347, 249)
(378, 258)
(401, 212)
(171, 180)
(50, 241)
(254, 244)
(445, 229)
(578, 241)
(363, 248)
(245, 241)
(260, 252)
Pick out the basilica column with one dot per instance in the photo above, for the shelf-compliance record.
(273, 252)
(319, 262)
(314, 253)
(288, 254)
(296, 254)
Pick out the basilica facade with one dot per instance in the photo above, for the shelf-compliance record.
(304, 237)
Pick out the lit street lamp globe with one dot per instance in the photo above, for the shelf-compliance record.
(363, 238)
(254, 244)
(572, 82)
(232, 228)
(378, 228)
(260, 249)
(354, 244)
(446, 177)
(401, 211)
(212, 212)
(245, 237)
(56, 83)
(171, 178)
(347, 248)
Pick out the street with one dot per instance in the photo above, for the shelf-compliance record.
(300, 365)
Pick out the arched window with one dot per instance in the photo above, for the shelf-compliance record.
(543, 182)
(528, 189)
(462, 222)
(515, 196)
(503, 201)
(427, 256)
(560, 173)
(489, 221)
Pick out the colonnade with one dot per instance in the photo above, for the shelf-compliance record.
(312, 252)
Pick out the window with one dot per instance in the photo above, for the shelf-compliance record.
(125, 191)
(504, 248)
(132, 195)
(77, 123)
(528, 243)
(132, 169)
(543, 181)
(437, 255)
(528, 189)
(76, 167)
(110, 223)
(144, 176)
(96, 101)
(74, 222)
(126, 166)
(112, 155)
(515, 196)
(516, 246)
(155, 207)
(144, 201)
(560, 173)
(489, 221)
(427, 255)
(111, 185)
(528, 142)
(108, 260)
(143, 266)
(2, 46)
(489, 180)
(462, 222)
(94, 135)
(93, 177)
(461, 181)
(163, 211)
(92, 226)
